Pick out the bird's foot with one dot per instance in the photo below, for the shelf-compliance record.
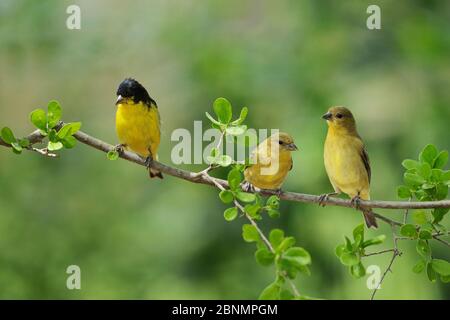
(278, 192)
(248, 187)
(120, 148)
(148, 162)
(323, 198)
(356, 202)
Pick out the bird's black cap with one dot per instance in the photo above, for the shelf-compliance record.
(130, 88)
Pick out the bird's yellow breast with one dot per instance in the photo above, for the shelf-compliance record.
(137, 127)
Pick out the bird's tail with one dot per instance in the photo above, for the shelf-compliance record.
(369, 217)
(155, 173)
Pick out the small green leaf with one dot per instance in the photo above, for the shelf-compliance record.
(441, 160)
(424, 170)
(17, 148)
(245, 196)
(358, 270)
(214, 121)
(339, 250)
(223, 110)
(69, 142)
(242, 116)
(419, 266)
(419, 217)
(441, 191)
(409, 230)
(423, 249)
(273, 202)
(374, 241)
(273, 213)
(403, 192)
(413, 180)
(276, 236)
(7, 135)
(441, 266)
(252, 209)
(349, 258)
(214, 152)
(230, 214)
(112, 155)
(24, 143)
(69, 129)
(432, 276)
(445, 279)
(39, 119)
(410, 164)
(348, 244)
(425, 234)
(54, 113)
(249, 233)
(54, 146)
(428, 154)
(286, 244)
(226, 196)
(297, 257)
(224, 160)
(234, 179)
(264, 257)
(236, 130)
(52, 135)
(271, 292)
(358, 234)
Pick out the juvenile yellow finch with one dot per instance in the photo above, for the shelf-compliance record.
(271, 161)
(346, 160)
(137, 122)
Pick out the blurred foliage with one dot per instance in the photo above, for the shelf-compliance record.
(287, 60)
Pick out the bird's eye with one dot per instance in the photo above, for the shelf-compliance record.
(339, 116)
(280, 142)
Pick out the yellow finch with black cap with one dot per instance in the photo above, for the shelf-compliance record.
(272, 162)
(346, 160)
(138, 122)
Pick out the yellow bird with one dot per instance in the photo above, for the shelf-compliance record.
(138, 122)
(346, 160)
(271, 162)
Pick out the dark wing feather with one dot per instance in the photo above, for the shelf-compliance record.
(365, 159)
(292, 165)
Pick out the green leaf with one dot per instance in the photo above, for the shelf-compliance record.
(39, 119)
(271, 292)
(223, 110)
(214, 152)
(425, 234)
(348, 244)
(419, 266)
(54, 113)
(413, 180)
(374, 241)
(424, 170)
(52, 135)
(264, 257)
(7, 135)
(226, 196)
(214, 121)
(428, 154)
(403, 192)
(349, 258)
(69, 142)
(273, 213)
(54, 146)
(234, 179)
(445, 176)
(423, 249)
(286, 295)
(112, 155)
(358, 270)
(432, 276)
(339, 250)
(252, 209)
(273, 202)
(286, 244)
(441, 266)
(441, 191)
(242, 116)
(69, 129)
(358, 234)
(224, 160)
(17, 148)
(410, 164)
(409, 230)
(419, 217)
(245, 196)
(249, 233)
(297, 257)
(230, 214)
(445, 279)
(441, 160)
(236, 130)
(276, 236)
(24, 143)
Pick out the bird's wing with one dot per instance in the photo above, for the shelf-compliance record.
(366, 161)
(292, 165)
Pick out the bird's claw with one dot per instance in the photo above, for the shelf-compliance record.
(148, 161)
(248, 187)
(120, 148)
(323, 198)
(356, 202)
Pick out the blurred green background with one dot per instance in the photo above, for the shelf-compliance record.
(288, 61)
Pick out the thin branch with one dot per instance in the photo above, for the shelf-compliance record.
(378, 252)
(98, 144)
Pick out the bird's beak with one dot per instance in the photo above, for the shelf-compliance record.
(119, 99)
(292, 147)
(327, 116)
